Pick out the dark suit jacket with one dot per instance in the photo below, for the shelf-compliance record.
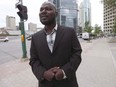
(66, 54)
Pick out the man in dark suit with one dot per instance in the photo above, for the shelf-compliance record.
(55, 51)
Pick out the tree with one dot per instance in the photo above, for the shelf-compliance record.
(97, 30)
(87, 27)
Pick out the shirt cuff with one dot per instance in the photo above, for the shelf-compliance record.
(64, 74)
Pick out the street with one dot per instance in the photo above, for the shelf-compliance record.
(12, 49)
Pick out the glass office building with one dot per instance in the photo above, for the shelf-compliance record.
(84, 13)
(68, 12)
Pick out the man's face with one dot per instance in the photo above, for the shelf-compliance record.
(47, 14)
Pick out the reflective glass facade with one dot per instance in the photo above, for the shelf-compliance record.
(87, 10)
(84, 13)
(68, 12)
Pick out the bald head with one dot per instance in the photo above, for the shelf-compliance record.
(50, 3)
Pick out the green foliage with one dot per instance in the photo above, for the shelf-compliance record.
(88, 28)
(97, 29)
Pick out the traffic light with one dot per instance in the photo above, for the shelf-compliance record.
(22, 12)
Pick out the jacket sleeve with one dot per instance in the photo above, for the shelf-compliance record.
(35, 63)
(75, 59)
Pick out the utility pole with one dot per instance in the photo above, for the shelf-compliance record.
(23, 16)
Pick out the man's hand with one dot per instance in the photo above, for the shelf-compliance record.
(58, 73)
(55, 71)
(48, 75)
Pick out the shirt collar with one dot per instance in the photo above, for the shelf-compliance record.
(54, 29)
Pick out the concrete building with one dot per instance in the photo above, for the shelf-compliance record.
(109, 16)
(84, 13)
(11, 22)
(32, 27)
(67, 12)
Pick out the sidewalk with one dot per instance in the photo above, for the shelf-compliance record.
(96, 70)
(17, 74)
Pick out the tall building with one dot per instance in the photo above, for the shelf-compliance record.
(32, 27)
(11, 22)
(67, 12)
(109, 16)
(84, 13)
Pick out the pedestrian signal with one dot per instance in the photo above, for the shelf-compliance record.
(22, 12)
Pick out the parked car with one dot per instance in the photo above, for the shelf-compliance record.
(4, 39)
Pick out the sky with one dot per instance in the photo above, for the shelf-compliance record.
(7, 7)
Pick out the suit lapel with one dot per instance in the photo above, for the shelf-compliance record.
(44, 42)
(59, 35)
